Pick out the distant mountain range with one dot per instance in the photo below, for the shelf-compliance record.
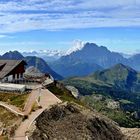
(82, 60)
(90, 58)
(47, 55)
(37, 62)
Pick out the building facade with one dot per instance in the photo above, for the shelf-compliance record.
(11, 70)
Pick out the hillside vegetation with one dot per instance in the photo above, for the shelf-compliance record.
(8, 123)
(119, 83)
(16, 99)
(64, 94)
(112, 109)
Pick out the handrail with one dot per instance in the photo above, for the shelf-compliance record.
(9, 108)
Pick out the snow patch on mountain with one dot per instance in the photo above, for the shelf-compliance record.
(77, 45)
(47, 55)
(50, 53)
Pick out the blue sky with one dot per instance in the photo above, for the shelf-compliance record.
(27, 25)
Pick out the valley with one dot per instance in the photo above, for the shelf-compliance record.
(118, 86)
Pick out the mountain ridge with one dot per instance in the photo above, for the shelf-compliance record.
(84, 61)
(37, 62)
(97, 57)
(118, 77)
(91, 54)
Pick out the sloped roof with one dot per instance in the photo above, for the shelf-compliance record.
(9, 66)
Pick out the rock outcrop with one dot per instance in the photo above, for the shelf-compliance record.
(73, 122)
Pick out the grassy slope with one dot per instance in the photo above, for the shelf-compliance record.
(64, 94)
(6, 117)
(8, 120)
(119, 77)
(16, 99)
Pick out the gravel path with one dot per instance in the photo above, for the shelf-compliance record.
(46, 100)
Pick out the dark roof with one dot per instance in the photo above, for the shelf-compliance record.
(9, 65)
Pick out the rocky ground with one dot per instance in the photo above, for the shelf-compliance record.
(131, 133)
(73, 122)
(8, 122)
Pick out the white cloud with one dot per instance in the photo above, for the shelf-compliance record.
(3, 36)
(77, 45)
(22, 43)
(25, 15)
